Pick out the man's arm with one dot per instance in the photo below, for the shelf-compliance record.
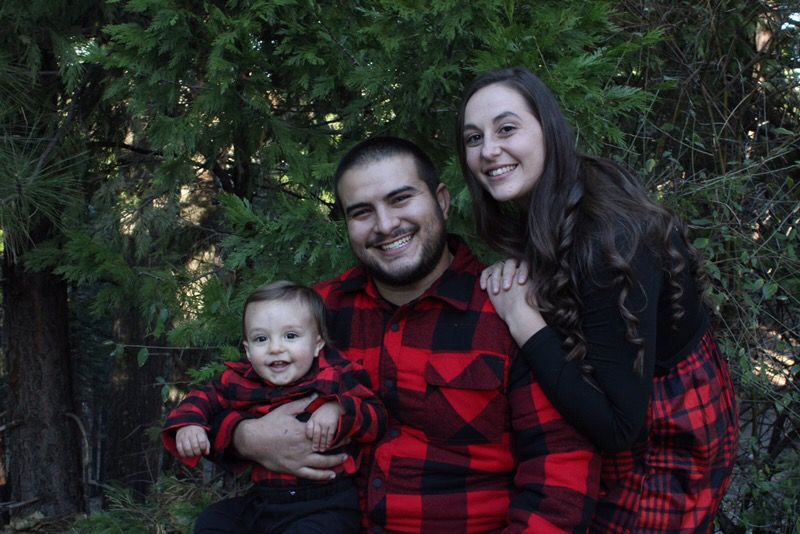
(276, 440)
(558, 475)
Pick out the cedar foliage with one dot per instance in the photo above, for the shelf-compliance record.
(208, 132)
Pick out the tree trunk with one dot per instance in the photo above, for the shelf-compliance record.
(43, 450)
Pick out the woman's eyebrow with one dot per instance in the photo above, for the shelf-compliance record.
(496, 119)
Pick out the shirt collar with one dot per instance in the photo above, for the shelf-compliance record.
(455, 286)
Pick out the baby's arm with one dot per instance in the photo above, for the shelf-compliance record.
(192, 440)
(322, 426)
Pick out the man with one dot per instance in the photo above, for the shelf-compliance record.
(472, 444)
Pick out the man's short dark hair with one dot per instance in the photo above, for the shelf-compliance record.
(379, 148)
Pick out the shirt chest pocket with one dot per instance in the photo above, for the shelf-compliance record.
(465, 400)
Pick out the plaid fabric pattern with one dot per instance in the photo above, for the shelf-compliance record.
(473, 444)
(239, 393)
(675, 480)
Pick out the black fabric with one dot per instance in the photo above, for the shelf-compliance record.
(332, 509)
(610, 406)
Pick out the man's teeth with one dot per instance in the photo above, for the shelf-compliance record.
(396, 244)
(501, 170)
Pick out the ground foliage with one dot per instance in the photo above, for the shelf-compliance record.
(208, 132)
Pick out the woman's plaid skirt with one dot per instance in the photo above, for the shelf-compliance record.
(674, 481)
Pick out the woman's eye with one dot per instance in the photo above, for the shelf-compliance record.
(507, 129)
(472, 140)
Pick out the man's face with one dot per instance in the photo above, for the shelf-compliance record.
(395, 224)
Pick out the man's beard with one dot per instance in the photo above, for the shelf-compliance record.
(432, 251)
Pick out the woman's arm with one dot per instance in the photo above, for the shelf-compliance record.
(609, 407)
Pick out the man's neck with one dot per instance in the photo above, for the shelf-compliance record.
(400, 295)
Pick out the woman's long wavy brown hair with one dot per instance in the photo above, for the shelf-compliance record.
(583, 210)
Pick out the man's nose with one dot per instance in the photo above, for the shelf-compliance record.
(386, 220)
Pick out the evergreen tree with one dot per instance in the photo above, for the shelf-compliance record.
(176, 154)
(42, 91)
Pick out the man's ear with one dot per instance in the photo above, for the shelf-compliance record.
(443, 198)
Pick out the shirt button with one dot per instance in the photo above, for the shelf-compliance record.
(377, 483)
(389, 383)
(395, 327)
(393, 433)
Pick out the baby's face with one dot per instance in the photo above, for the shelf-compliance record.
(282, 340)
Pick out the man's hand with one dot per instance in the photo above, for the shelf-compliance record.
(322, 426)
(278, 442)
(191, 441)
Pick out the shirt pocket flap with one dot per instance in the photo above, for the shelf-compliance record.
(466, 371)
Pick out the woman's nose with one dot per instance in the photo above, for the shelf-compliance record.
(490, 148)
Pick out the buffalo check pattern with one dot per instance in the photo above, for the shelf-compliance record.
(674, 481)
(239, 393)
(473, 444)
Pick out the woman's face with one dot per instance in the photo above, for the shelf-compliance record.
(503, 142)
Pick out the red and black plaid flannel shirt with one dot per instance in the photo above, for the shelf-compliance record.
(473, 444)
(239, 393)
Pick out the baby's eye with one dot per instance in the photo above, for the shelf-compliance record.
(260, 339)
(292, 335)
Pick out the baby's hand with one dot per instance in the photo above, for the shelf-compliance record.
(192, 441)
(322, 426)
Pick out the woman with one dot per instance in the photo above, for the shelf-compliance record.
(602, 292)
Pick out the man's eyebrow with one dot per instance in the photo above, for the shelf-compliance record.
(399, 190)
(495, 120)
(386, 197)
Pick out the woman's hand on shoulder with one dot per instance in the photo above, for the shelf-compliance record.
(503, 274)
(508, 286)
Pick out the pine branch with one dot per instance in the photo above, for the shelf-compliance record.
(55, 141)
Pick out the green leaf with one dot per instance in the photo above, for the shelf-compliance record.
(769, 290)
(141, 357)
(701, 243)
